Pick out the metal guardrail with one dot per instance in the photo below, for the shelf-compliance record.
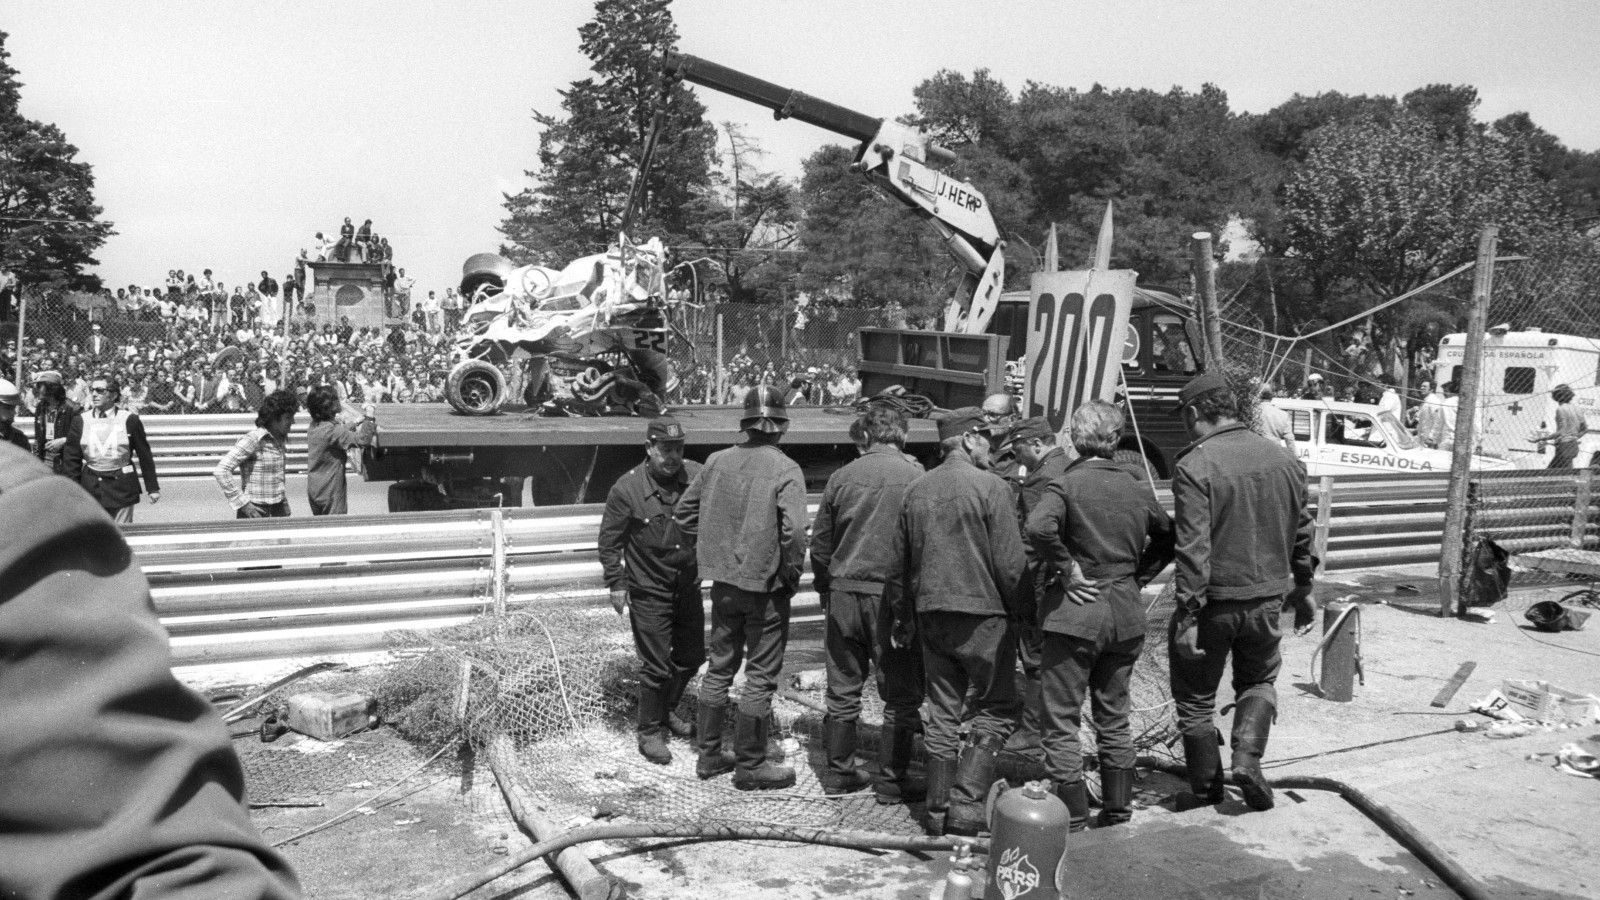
(267, 589)
(189, 446)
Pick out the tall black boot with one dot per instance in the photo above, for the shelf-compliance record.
(1116, 796)
(1204, 761)
(969, 795)
(1076, 798)
(652, 743)
(841, 776)
(941, 776)
(679, 726)
(713, 760)
(754, 773)
(1252, 722)
(894, 783)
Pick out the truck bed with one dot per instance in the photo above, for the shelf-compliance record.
(436, 426)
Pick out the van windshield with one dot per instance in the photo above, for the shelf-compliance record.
(1399, 437)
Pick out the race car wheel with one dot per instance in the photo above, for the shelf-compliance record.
(475, 388)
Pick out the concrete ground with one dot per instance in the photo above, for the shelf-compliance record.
(1498, 807)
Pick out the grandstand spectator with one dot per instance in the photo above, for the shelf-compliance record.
(432, 312)
(452, 310)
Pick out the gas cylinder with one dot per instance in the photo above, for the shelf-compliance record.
(1028, 836)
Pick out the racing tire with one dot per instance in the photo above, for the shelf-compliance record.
(475, 388)
(1133, 459)
(414, 496)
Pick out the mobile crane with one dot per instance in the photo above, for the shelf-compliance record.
(895, 158)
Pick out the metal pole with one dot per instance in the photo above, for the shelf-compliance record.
(1453, 548)
(22, 329)
(722, 363)
(1205, 285)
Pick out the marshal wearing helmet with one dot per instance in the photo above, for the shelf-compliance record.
(748, 508)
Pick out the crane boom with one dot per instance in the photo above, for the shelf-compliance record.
(894, 157)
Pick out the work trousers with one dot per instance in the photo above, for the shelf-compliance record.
(279, 510)
(961, 650)
(670, 635)
(858, 635)
(1248, 630)
(1075, 668)
(747, 628)
(1566, 454)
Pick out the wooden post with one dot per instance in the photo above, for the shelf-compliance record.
(1205, 285)
(497, 592)
(1580, 507)
(1453, 550)
(1324, 517)
(573, 865)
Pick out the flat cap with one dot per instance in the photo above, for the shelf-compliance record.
(961, 421)
(664, 428)
(49, 376)
(1027, 430)
(1200, 384)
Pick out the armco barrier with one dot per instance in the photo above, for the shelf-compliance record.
(267, 589)
(190, 446)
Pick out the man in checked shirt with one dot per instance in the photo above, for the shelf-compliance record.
(251, 475)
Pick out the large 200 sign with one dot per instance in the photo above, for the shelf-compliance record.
(1076, 330)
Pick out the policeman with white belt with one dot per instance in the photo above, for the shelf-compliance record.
(102, 461)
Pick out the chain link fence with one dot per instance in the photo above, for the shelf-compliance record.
(1538, 407)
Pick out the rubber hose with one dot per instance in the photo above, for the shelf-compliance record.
(854, 840)
(1395, 825)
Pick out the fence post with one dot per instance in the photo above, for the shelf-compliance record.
(22, 329)
(1580, 507)
(722, 363)
(1324, 517)
(1455, 512)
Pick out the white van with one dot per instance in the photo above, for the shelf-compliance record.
(1519, 370)
(1334, 438)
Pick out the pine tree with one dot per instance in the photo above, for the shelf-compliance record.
(48, 218)
(588, 157)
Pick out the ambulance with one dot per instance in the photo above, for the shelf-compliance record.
(1334, 438)
(1519, 370)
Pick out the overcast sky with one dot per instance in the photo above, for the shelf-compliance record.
(223, 134)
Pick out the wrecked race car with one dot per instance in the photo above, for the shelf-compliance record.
(586, 340)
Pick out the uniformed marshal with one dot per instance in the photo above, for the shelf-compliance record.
(650, 568)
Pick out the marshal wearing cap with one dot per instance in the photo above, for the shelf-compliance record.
(961, 421)
(664, 428)
(1200, 384)
(1027, 430)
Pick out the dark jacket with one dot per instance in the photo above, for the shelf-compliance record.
(960, 548)
(113, 492)
(1243, 529)
(747, 508)
(14, 436)
(853, 537)
(115, 779)
(642, 548)
(67, 425)
(1103, 517)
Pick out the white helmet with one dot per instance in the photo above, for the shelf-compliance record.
(9, 395)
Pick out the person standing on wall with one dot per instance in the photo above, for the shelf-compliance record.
(959, 556)
(328, 446)
(1101, 536)
(852, 541)
(252, 474)
(102, 459)
(1243, 553)
(654, 579)
(748, 510)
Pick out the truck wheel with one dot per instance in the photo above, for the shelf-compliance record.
(413, 496)
(475, 388)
